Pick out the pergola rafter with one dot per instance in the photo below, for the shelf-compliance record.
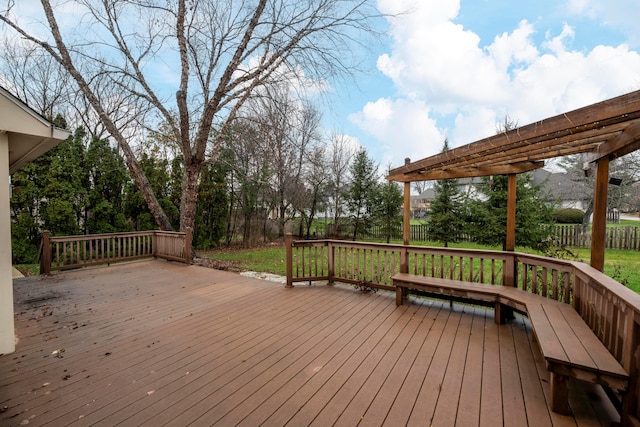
(604, 131)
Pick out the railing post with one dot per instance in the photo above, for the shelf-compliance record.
(631, 363)
(331, 252)
(404, 260)
(510, 273)
(187, 245)
(288, 242)
(45, 256)
(154, 244)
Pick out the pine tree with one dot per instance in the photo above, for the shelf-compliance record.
(389, 208)
(26, 199)
(65, 187)
(361, 193)
(213, 207)
(445, 221)
(108, 176)
(489, 217)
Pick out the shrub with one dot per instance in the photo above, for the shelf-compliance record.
(568, 216)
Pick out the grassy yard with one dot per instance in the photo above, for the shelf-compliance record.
(270, 259)
(28, 269)
(623, 266)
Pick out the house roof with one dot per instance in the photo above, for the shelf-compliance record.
(29, 134)
(557, 186)
(561, 186)
(607, 129)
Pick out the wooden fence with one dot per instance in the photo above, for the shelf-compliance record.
(578, 236)
(419, 233)
(68, 252)
(610, 309)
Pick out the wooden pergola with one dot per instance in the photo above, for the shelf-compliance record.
(603, 131)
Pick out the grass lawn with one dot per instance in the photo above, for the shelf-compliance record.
(623, 266)
(270, 259)
(28, 269)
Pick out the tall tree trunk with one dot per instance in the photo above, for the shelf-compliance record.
(189, 200)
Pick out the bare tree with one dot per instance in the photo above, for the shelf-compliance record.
(249, 179)
(317, 182)
(420, 186)
(35, 78)
(341, 153)
(222, 50)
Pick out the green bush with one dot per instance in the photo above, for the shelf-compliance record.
(568, 216)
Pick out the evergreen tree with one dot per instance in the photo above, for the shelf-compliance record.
(361, 193)
(26, 198)
(388, 207)
(488, 220)
(108, 177)
(136, 209)
(65, 187)
(213, 207)
(48, 193)
(445, 218)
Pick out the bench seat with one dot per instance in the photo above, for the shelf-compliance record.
(570, 348)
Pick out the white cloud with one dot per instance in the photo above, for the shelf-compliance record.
(404, 128)
(515, 48)
(445, 79)
(432, 56)
(621, 15)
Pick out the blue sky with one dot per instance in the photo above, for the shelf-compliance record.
(454, 68)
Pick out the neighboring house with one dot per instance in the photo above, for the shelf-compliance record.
(421, 204)
(24, 136)
(560, 190)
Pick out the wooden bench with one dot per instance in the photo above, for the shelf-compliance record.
(570, 348)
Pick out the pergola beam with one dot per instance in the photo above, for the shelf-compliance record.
(468, 172)
(619, 145)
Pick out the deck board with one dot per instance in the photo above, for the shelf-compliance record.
(158, 343)
(513, 406)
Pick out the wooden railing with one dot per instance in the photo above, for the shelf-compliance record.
(610, 309)
(69, 252)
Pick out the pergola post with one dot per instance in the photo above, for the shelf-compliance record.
(510, 243)
(599, 224)
(406, 219)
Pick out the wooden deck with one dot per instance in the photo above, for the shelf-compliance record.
(159, 343)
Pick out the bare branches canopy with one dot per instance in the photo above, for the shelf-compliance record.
(190, 64)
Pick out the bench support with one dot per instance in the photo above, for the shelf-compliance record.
(401, 295)
(560, 394)
(501, 312)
